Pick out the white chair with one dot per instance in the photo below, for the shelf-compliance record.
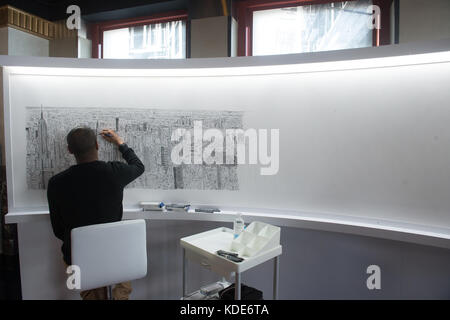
(110, 253)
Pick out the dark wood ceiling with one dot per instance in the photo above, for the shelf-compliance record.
(56, 9)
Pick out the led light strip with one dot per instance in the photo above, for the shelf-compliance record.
(396, 61)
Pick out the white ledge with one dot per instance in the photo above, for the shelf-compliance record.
(385, 229)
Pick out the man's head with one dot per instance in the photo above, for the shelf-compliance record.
(82, 143)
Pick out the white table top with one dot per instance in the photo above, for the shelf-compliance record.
(206, 244)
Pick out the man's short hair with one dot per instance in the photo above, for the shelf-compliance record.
(81, 141)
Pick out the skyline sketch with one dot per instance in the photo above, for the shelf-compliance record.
(147, 131)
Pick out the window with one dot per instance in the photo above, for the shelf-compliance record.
(156, 37)
(296, 26)
(154, 41)
(311, 28)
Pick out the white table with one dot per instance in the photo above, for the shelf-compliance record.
(201, 248)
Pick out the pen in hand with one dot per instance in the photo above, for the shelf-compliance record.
(111, 136)
(105, 134)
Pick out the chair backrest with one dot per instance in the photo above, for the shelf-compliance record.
(110, 253)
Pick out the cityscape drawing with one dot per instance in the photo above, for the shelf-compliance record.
(147, 131)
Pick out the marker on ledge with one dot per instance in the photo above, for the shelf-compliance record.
(177, 207)
(152, 206)
(206, 210)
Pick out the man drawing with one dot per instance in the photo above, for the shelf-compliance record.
(91, 192)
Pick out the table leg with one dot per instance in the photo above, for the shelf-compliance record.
(184, 273)
(276, 267)
(237, 286)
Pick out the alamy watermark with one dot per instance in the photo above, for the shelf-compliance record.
(74, 20)
(238, 146)
(374, 21)
(74, 279)
(374, 280)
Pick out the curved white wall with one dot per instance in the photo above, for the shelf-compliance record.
(364, 138)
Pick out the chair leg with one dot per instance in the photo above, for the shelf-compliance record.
(110, 295)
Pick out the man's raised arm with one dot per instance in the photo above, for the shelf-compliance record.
(134, 167)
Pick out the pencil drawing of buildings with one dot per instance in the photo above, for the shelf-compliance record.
(147, 131)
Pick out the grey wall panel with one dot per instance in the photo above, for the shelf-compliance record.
(314, 265)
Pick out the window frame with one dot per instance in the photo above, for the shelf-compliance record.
(96, 30)
(244, 14)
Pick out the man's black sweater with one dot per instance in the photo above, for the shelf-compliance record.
(90, 193)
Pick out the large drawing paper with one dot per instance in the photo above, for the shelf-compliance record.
(147, 131)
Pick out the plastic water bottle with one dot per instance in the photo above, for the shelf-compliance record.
(238, 225)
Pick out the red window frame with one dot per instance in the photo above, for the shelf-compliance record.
(96, 29)
(244, 14)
